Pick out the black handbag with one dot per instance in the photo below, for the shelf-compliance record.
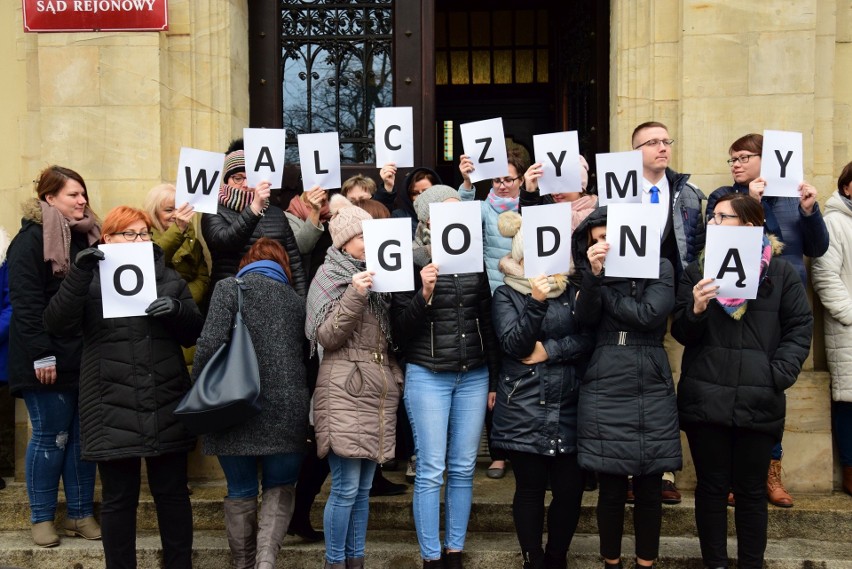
(227, 391)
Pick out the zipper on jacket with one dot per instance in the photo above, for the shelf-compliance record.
(378, 355)
(432, 338)
(481, 343)
(509, 397)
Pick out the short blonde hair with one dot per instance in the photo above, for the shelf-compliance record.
(358, 180)
(154, 201)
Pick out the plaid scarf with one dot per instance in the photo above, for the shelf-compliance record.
(235, 198)
(329, 284)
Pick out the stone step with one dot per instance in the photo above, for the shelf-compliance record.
(814, 517)
(398, 550)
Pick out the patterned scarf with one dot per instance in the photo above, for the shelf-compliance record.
(330, 282)
(57, 236)
(500, 205)
(736, 307)
(236, 199)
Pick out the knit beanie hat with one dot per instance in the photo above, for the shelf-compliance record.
(235, 162)
(435, 194)
(346, 220)
(509, 225)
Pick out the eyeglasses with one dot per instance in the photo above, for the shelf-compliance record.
(741, 159)
(507, 181)
(237, 178)
(719, 217)
(132, 235)
(655, 142)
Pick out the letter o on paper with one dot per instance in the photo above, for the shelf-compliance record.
(445, 238)
(116, 280)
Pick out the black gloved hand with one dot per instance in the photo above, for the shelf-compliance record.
(163, 306)
(88, 259)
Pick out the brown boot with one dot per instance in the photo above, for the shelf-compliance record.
(847, 479)
(355, 563)
(276, 509)
(241, 527)
(87, 528)
(778, 496)
(44, 534)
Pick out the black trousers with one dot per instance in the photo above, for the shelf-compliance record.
(730, 458)
(647, 513)
(532, 472)
(494, 453)
(120, 481)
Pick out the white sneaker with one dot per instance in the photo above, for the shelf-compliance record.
(411, 471)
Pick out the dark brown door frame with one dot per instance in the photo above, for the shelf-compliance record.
(266, 108)
(414, 72)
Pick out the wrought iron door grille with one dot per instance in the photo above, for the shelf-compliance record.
(337, 68)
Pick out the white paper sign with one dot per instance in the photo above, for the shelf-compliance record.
(633, 234)
(484, 142)
(319, 157)
(264, 150)
(547, 239)
(456, 237)
(395, 136)
(199, 176)
(732, 257)
(620, 177)
(128, 280)
(387, 248)
(558, 153)
(781, 163)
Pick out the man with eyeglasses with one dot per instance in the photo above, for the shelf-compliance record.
(798, 224)
(682, 230)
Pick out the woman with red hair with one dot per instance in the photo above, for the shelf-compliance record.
(275, 439)
(131, 379)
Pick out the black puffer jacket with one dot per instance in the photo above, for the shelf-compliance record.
(628, 410)
(132, 374)
(32, 285)
(453, 331)
(230, 234)
(735, 371)
(536, 409)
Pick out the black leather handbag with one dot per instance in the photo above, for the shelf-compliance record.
(227, 391)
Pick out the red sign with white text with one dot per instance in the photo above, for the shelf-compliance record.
(95, 15)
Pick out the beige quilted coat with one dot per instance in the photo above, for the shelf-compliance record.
(832, 278)
(359, 384)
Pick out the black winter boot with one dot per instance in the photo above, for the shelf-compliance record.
(533, 559)
(453, 560)
(557, 560)
(433, 564)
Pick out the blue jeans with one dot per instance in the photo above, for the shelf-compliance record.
(447, 411)
(347, 508)
(843, 430)
(276, 470)
(777, 451)
(53, 453)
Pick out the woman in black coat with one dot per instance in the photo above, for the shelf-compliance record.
(244, 215)
(535, 415)
(44, 369)
(628, 411)
(740, 357)
(132, 377)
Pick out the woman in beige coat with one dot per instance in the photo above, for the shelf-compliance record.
(358, 386)
(832, 276)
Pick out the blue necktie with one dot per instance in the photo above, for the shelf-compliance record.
(655, 194)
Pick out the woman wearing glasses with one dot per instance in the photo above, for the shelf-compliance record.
(245, 215)
(740, 355)
(44, 369)
(795, 222)
(131, 379)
